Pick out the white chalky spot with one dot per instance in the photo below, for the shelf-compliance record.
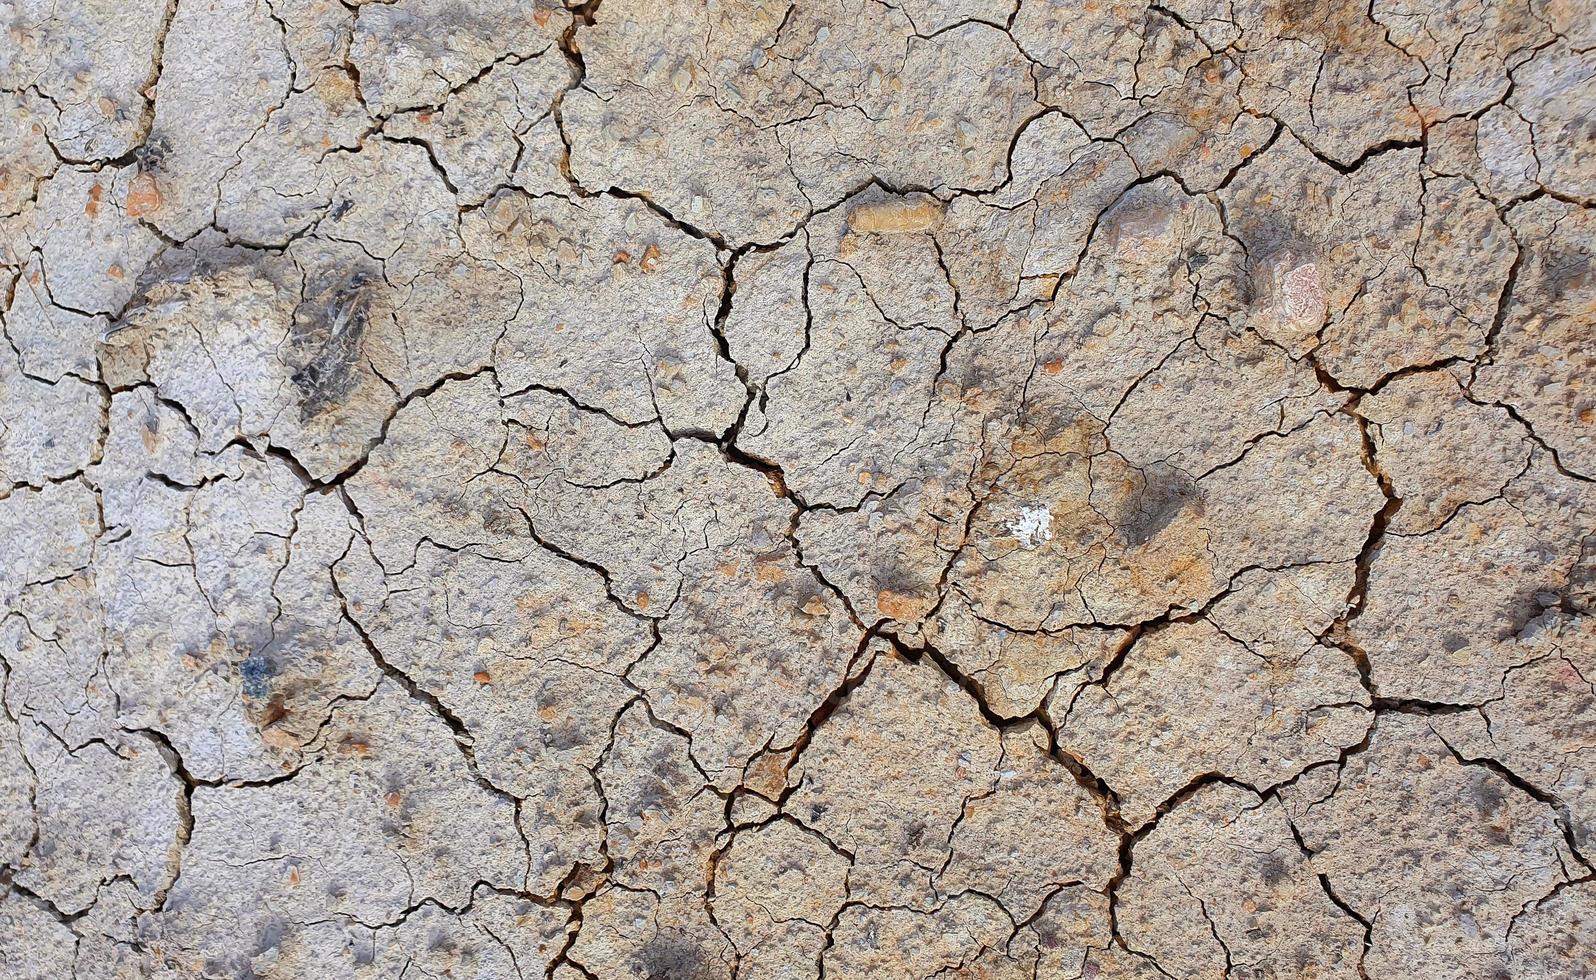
(1034, 526)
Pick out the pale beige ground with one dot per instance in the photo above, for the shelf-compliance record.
(694, 489)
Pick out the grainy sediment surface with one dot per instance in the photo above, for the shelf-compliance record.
(1001, 489)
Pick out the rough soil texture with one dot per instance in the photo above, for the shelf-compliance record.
(1003, 489)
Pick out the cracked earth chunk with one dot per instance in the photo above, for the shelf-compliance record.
(224, 70)
(93, 249)
(1441, 450)
(778, 887)
(412, 228)
(281, 183)
(53, 649)
(1450, 633)
(1549, 701)
(312, 657)
(1464, 850)
(1016, 669)
(658, 112)
(25, 157)
(661, 816)
(747, 636)
(538, 688)
(1363, 271)
(33, 446)
(895, 820)
(563, 451)
(1270, 718)
(1491, 150)
(47, 534)
(711, 489)
(1469, 50)
(103, 810)
(768, 328)
(34, 944)
(315, 36)
(1133, 296)
(1198, 127)
(150, 463)
(1553, 937)
(976, 86)
(90, 63)
(750, 640)
(286, 353)
(50, 342)
(1214, 394)
(498, 934)
(873, 344)
(410, 54)
(1062, 938)
(1034, 833)
(635, 934)
(888, 555)
(1542, 359)
(480, 135)
(1220, 883)
(639, 345)
(1303, 63)
(431, 477)
(1008, 248)
(1279, 615)
(905, 942)
(966, 813)
(389, 798)
(259, 649)
(1553, 102)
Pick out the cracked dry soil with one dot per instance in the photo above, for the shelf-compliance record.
(694, 489)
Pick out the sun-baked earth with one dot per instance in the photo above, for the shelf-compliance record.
(1001, 489)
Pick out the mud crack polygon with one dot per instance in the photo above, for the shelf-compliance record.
(710, 489)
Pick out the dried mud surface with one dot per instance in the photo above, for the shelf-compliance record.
(844, 488)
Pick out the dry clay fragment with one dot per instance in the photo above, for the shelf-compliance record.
(1438, 855)
(1548, 701)
(1221, 880)
(777, 888)
(1118, 537)
(280, 362)
(919, 833)
(1361, 270)
(809, 121)
(1541, 363)
(101, 810)
(1452, 633)
(1441, 450)
(223, 71)
(496, 129)
(496, 935)
(390, 799)
(217, 614)
(1301, 61)
(1189, 701)
(90, 64)
(414, 53)
(34, 944)
(634, 338)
